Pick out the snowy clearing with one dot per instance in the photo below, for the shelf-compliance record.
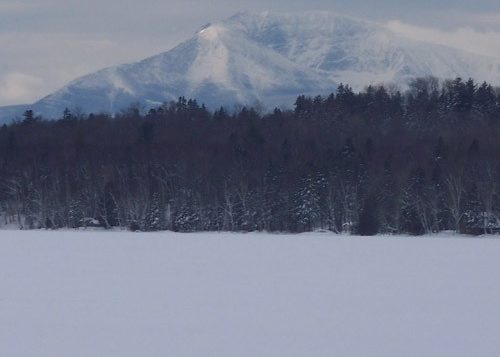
(166, 294)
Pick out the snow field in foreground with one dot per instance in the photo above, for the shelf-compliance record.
(166, 294)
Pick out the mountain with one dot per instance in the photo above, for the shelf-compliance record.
(11, 112)
(270, 59)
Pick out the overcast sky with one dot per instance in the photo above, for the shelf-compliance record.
(46, 43)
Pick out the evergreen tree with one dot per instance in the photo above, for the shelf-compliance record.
(108, 209)
(29, 117)
(369, 222)
(185, 217)
(485, 103)
(76, 214)
(389, 200)
(413, 208)
(67, 115)
(306, 209)
(155, 216)
(473, 219)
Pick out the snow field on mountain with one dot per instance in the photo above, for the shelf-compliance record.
(122, 294)
(266, 58)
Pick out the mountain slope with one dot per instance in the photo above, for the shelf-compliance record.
(218, 66)
(268, 58)
(359, 52)
(12, 112)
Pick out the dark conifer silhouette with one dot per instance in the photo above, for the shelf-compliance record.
(379, 161)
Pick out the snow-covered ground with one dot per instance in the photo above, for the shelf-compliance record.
(165, 294)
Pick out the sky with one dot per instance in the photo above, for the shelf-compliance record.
(44, 44)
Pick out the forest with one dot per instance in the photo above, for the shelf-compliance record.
(418, 161)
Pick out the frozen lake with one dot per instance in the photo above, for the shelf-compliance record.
(165, 294)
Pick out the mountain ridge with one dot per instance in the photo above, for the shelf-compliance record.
(270, 59)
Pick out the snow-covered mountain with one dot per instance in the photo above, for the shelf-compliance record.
(268, 58)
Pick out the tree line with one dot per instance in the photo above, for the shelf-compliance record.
(378, 161)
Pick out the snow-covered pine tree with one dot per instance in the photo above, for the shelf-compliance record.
(155, 215)
(307, 203)
(186, 216)
(75, 213)
(412, 204)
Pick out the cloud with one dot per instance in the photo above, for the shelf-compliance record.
(485, 43)
(20, 87)
(492, 19)
(481, 21)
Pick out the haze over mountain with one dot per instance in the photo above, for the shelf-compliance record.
(266, 58)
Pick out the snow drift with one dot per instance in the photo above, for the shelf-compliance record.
(124, 294)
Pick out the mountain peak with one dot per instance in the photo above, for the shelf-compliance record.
(211, 32)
